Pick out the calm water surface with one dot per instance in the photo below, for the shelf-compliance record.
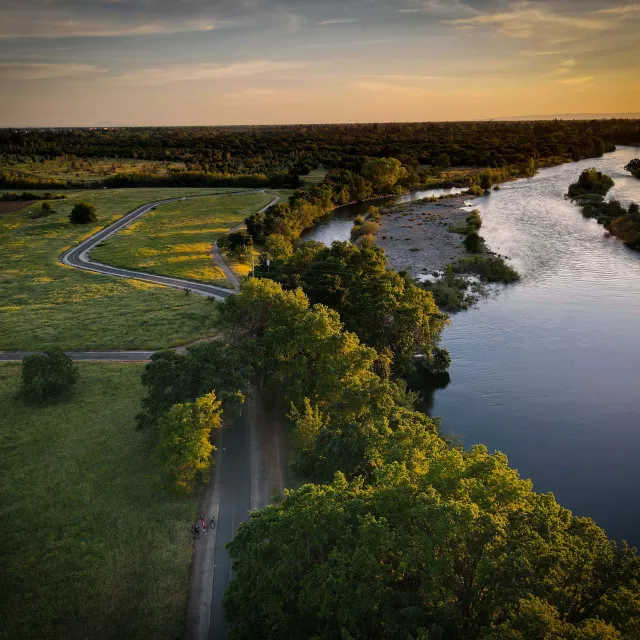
(548, 370)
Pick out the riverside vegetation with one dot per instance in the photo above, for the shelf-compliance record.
(589, 194)
(397, 533)
(453, 290)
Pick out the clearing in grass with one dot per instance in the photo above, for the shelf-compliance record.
(175, 239)
(92, 546)
(46, 304)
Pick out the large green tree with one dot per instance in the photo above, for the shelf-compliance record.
(184, 451)
(47, 376)
(459, 549)
(385, 309)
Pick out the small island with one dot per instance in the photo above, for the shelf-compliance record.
(633, 168)
(589, 194)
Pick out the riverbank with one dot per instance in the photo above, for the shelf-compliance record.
(416, 236)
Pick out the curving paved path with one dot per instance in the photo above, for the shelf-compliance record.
(79, 256)
(216, 254)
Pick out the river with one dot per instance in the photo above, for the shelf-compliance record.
(548, 370)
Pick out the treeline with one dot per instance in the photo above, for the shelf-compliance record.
(397, 534)
(12, 196)
(185, 179)
(271, 149)
(374, 177)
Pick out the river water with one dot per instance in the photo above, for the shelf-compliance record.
(548, 370)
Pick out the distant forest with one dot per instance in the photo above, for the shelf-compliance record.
(297, 149)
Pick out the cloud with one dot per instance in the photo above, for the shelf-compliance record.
(348, 43)
(44, 71)
(104, 18)
(208, 71)
(542, 53)
(524, 23)
(621, 10)
(564, 67)
(415, 78)
(75, 28)
(576, 81)
(336, 21)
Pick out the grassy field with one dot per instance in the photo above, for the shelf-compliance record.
(176, 238)
(44, 303)
(71, 169)
(316, 176)
(91, 546)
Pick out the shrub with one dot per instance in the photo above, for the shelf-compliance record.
(591, 181)
(474, 220)
(633, 167)
(47, 376)
(45, 210)
(473, 243)
(83, 213)
(489, 268)
(223, 242)
(367, 240)
(358, 220)
(240, 242)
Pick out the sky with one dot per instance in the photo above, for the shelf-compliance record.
(221, 62)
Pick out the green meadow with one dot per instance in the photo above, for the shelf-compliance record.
(45, 303)
(176, 238)
(92, 546)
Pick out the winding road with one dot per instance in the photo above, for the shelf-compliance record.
(238, 467)
(79, 256)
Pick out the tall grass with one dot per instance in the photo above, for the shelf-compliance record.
(92, 547)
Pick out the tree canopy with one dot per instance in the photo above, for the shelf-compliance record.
(384, 309)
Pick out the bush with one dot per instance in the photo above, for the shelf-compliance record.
(240, 242)
(223, 242)
(474, 220)
(633, 167)
(489, 268)
(83, 213)
(365, 229)
(473, 243)
(591, 181)
(358, 220)
(47, 376)
(45, 210)
(366, 240)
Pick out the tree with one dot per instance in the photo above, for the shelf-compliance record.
(47, 377)
(172, 378)
(384, 309)
(184, 451)
(83, 213)
(240, 242)
(278, 247)
(442, 161)
(457, 548)
(383, 173)
(633, 167)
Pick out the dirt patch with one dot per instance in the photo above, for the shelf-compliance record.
(10, 206)
(416, 237)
